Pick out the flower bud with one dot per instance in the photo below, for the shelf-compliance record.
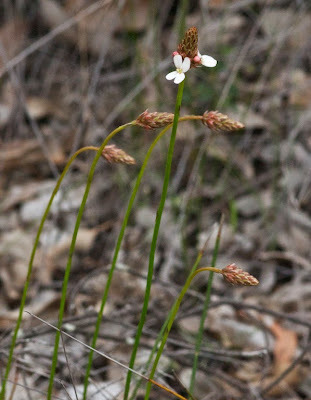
(113, 154)
(237, 276)
(154, 120)
(188, 47)
(218, 122)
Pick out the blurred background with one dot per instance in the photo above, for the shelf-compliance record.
(71, 71)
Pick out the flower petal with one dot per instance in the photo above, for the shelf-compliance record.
(179, 78)
(171, 75)
(186, 64)
(178, 61)
(208, 61)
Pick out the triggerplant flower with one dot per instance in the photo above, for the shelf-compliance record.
(154, 120)
(236, 276)
(182, 66)
(188, 56)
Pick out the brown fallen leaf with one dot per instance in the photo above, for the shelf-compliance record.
(286, 344)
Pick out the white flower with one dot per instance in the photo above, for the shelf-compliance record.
(207, 61)
(181, 68)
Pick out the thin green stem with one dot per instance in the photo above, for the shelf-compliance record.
(155, 237)
(116, 254)
(194, 267)
(205, 309)
(153, 350)
(71, 251)
(30, 267)
(118, 246)
(163, 387)
(34, 249)
(173, 314)
(117, 249)
(161, 333)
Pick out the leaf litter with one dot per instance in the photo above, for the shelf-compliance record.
(262, 173)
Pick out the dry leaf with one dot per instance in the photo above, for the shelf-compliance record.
(285, 347)
(284, 353)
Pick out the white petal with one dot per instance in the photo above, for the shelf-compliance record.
(171, 75)
(179, 78)
(186, 64)
(178, 61)
(208, 61)
(199, 54)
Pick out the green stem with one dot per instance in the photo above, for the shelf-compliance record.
(118, 246)
(115, 256)
(30, 267)
(155, 238)
(204, 312)
(71, 251)
(161, 333)
(173, 314)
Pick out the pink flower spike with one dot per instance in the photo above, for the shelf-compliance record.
(182, 66)
(237, 276)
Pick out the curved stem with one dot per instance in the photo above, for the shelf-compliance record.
(115, 256)
(118, 246)
(36, 243)
(172, 318)
(161, 333)
(205, 309)
(30, 267)
(71, 251)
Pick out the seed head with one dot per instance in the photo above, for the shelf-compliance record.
(188, 47)
(113, 154)
(154, 120)
(237, 276)
(218, 122)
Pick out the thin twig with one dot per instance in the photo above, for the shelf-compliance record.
(108, 357)
(277, 314)
(69, 369)
(52, 34)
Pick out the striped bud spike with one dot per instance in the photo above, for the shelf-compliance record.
(237, 276)
(218, 122)
(188, 47)
(154, 120)
(112, 154)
